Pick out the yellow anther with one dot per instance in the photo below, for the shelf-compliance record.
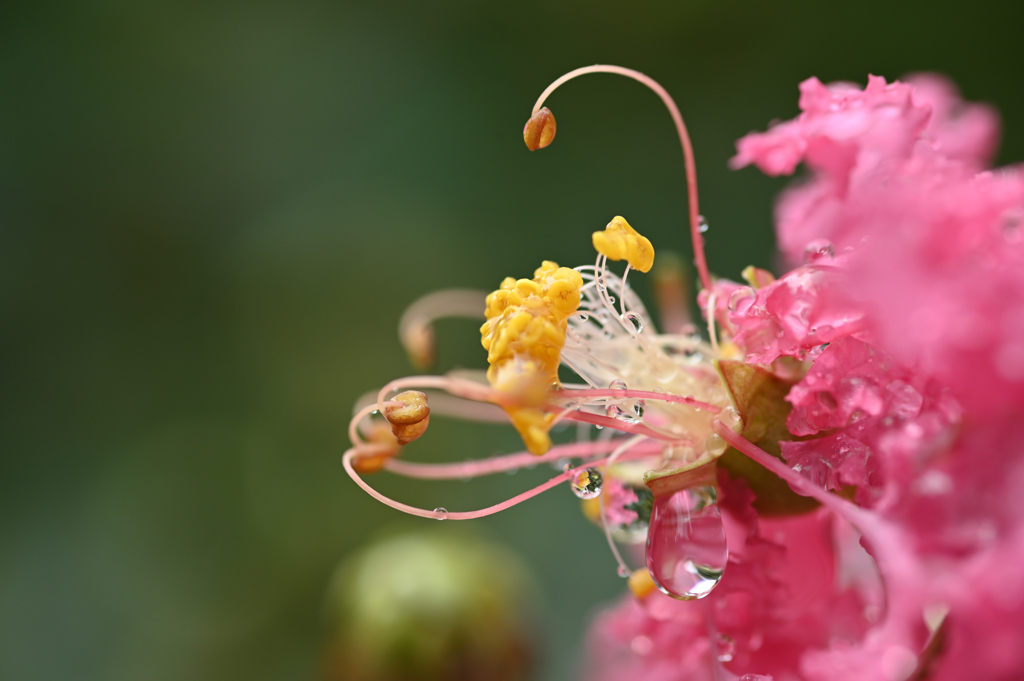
(524, 336)
(641, 583)
(619, 241)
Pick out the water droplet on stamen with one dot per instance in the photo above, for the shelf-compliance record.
(614, 411)
(686, 546)
(587, 483)
(633, 320)
(623, 572)
(583, 316)
(617, 384)
(818, 249)
(702, 224)
(440, 513)
(638, 409)
(726, 648)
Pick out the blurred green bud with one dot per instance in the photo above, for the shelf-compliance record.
(432, 605)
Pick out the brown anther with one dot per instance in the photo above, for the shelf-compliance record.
(371, 457)
(408, 433)
(539, 131)
(412, 408)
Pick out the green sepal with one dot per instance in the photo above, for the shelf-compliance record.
(760, 398)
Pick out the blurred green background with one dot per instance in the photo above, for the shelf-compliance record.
(212, 215)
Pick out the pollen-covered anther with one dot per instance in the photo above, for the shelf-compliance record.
(524, 336)
(408, 415)
(619, 241)
(539, 131)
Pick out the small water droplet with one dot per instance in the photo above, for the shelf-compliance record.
(617, 384)
(686, 546)
(633, 320)
(623, 572)
(599, 426)
(702, 224)
(726, 648)
(638, 409)
(614, 411)
(586, 483)
(742, 299)
(818, 249)
(731, 419)
(583, 316)
(441, 513)
(715, 444)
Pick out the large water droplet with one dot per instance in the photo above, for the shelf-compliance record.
(818, 249)
(441, 513)
(686, 546)
(715, 444)
(731, 418)
(614, 411)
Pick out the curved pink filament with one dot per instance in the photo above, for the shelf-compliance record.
(639, 394)
(346, 461)
(503, 464)
(684, 139)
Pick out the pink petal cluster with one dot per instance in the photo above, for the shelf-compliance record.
(907, 314)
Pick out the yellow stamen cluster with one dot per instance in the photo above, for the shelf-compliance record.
(619, 241)
(524, 335)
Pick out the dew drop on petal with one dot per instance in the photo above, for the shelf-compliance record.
(440, 513)
(715, 444)
(726, 648)
(818, 249)
(686, 545)
(742, 299)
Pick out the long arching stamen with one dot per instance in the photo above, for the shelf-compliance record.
(441, 514)
(684, 139)
(416, 330)
(509, 462)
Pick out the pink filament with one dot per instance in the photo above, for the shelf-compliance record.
(640, 394)
(684, 139)
(468, 515)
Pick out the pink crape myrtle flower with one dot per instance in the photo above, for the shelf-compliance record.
(830, 486)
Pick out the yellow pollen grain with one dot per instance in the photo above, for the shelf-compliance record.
(619, 241)
(524, 335)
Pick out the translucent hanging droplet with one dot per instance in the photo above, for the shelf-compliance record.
(715, 444)
(726, 648)
(818, 249)
(702, 224)
(731, 418)
(617, 384)
(633, 320)
(586, 483)
(638, 409)
(686, 546)
(623, 571)
(440, 513)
